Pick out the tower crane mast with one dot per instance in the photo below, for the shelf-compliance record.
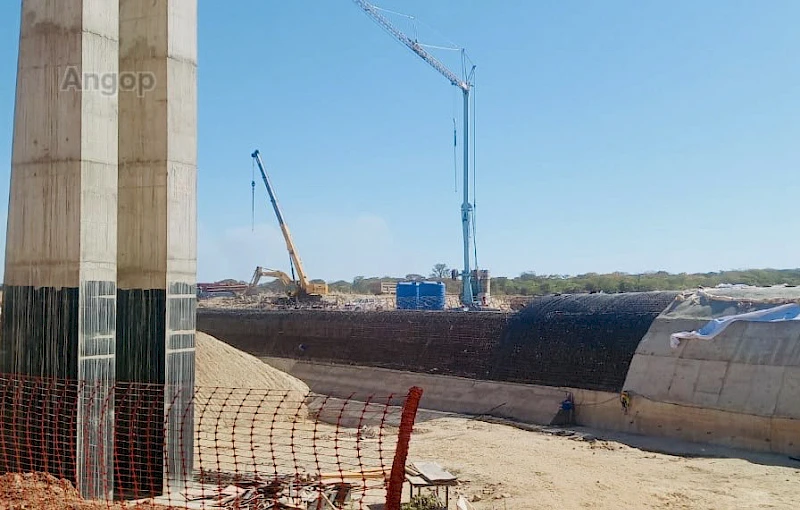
(465, 85)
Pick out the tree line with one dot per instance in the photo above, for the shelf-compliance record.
(532, 284)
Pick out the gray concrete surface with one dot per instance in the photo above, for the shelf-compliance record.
(751, 368)
(539, 404)
(740, 388)
(528, 403)
(158, 208)
(60, 266)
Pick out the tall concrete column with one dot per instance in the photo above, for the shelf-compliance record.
(60, 268)
(157, 245)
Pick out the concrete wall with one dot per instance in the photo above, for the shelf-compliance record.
(157, 219)
(103, 188)
(60, 267)
(749, 375)
(752, 368)
(529, 403)
(539, 405)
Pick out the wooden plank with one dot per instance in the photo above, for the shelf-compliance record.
(434, 472)
(417, 481)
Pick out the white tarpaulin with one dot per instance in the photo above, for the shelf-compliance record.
(788, 312)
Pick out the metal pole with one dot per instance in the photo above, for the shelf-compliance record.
(466, 211)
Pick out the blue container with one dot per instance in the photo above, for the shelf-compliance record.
(407, 295)
(432, 296)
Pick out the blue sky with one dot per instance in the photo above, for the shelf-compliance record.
(620, 135)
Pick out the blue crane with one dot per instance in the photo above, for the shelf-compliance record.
(467, 298)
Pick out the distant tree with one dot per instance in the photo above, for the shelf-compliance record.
(531, 284)
(359, 285)
(340, 286)
(440, 271)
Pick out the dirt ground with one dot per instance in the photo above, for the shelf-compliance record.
(502, 467)
(37, 491)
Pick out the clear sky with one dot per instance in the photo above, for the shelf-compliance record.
(620, 135)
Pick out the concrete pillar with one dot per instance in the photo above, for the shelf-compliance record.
(60, 268)
(157, 244)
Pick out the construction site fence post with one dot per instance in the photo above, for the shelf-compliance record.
(394, 491)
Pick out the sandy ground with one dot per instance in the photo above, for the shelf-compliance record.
(502, 467)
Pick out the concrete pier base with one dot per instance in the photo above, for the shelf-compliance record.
(157, 239)
(60, 268)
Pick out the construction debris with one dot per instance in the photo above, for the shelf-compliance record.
(305, 492)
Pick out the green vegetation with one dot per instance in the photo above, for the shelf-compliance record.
(423, 502)
(531, 284)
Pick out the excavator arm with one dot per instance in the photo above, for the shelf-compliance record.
(261, 272)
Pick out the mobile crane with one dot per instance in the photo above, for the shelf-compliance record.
(306, 290)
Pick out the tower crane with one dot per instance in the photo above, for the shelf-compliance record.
(465, 85)
(305, 289)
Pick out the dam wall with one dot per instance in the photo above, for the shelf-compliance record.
(743, 385)
(740, 389)
(584, 341)
(538, 404)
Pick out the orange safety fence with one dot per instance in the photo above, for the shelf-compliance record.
(111, 445)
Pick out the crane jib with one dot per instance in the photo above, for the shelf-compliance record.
(310, 289)
(465, 85)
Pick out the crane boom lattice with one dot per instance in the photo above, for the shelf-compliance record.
(413, 45)
(467, 209)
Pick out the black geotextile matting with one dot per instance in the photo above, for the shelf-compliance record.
(580, 340)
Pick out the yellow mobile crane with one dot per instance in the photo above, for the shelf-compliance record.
(306, 291)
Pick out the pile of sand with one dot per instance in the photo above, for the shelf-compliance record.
(221, 366)
(238, 392)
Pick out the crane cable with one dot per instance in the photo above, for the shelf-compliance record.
(413, 20)
(474, 174)
(455, 145)
(253, 196)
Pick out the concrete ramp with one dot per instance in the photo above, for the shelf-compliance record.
(527, 403)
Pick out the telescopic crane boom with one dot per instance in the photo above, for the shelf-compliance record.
(467, 298)
(306, 288)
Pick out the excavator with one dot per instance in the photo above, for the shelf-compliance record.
(292, 294)
(304, 290)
